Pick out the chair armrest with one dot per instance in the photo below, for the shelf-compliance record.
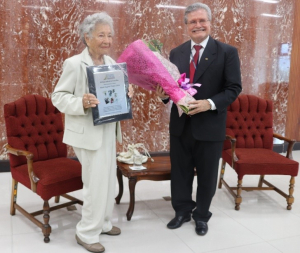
(29, 156)
(290, 146)
(233, 143)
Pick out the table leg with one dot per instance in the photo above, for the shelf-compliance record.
(132, 183)
(120, 180)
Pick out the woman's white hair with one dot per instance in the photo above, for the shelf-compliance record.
(194, 7)
(89, 23)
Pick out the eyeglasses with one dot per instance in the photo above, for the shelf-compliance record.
(201, 22)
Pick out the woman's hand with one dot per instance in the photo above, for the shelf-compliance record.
(89, 100)
(130, 91)
(160, 92)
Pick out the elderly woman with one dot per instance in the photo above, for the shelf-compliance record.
(95, 146)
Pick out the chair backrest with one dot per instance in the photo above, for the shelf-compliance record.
(34, 124)
(250, 121)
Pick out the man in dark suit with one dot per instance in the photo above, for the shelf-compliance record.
(196, 139)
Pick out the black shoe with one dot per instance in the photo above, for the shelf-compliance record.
(201, 227)
(178, 221)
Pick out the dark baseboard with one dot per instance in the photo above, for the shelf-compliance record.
(279, 148)
(297, 146)
(4, 166)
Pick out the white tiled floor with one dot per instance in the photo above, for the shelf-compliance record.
(263, 225)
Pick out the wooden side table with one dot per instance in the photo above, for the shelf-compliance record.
(158, 170)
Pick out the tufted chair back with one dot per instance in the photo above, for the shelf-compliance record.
(34, 124)
(250, 122)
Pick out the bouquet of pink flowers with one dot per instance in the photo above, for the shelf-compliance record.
(148, 68)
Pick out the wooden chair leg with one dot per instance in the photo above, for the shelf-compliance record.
(238, 199)
(290, 198)
(222, 173)
(57, 199)
(260, 182)
(46, 227)
(14, 192)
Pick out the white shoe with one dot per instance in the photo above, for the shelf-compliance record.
(94, 247)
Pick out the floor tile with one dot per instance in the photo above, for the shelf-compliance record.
(142, 236)
(287, 245)
(223, 233)
(263, 225)
(252, 248)
(6, 243)
(5, 220)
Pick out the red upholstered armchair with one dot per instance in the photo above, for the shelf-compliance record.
(38, 158)
(248, 148)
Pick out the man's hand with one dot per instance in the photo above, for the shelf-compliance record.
(198, 106)
(160, 92)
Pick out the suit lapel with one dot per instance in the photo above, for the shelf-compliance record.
(185, 58)
(86, 60)
(208, 56)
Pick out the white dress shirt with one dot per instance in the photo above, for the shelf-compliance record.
(193, 50)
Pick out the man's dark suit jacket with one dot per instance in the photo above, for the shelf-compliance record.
(219, 74)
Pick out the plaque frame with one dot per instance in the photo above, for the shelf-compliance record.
(97, 118)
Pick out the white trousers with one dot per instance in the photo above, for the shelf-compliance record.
(99, 179)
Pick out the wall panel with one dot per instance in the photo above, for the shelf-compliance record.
(36, 36)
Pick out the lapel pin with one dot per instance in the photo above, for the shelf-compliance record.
(206, 59)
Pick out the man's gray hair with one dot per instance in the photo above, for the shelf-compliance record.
(89, 23)
(194, 7)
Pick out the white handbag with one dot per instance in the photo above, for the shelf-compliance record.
(132, 149)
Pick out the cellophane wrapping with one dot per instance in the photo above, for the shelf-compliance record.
(147, 69)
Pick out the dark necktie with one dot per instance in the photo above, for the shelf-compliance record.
(194, 63)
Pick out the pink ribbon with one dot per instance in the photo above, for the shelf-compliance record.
(185, 85)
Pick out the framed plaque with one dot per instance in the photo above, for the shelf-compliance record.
(109, 83)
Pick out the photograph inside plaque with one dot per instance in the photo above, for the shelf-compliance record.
(109, 83)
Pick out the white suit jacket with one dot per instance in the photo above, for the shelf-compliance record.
(67, 96)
